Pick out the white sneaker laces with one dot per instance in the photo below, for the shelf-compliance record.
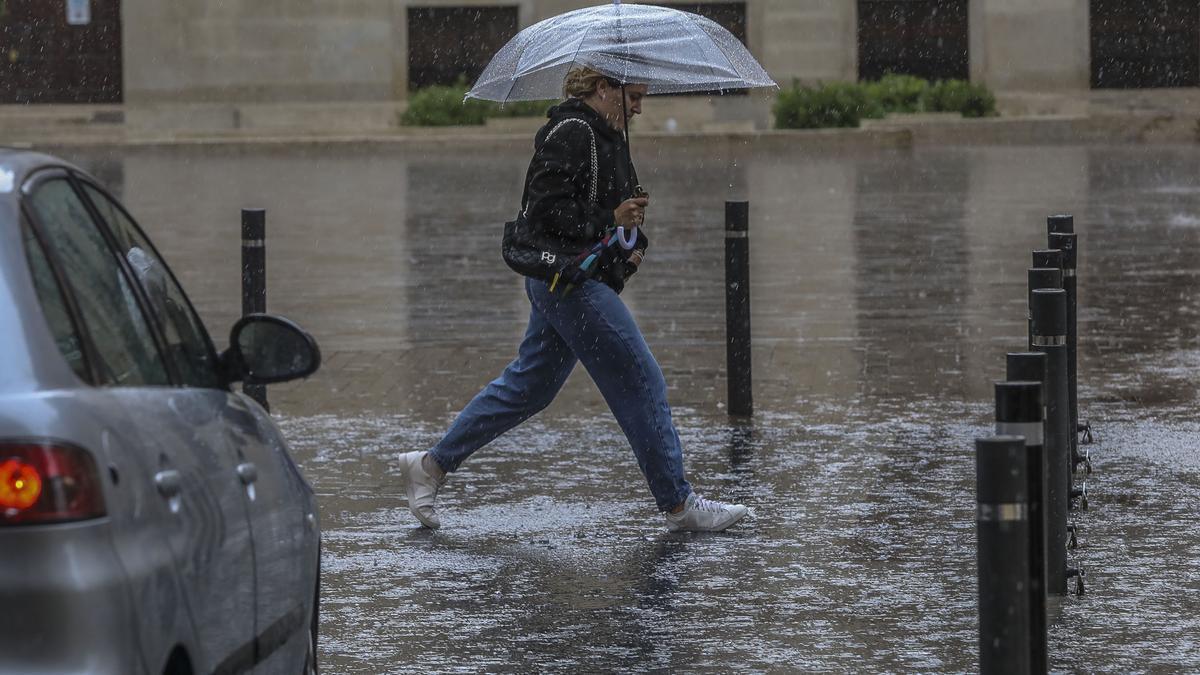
(708, 505)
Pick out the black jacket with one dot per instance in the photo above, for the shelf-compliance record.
(556, 201)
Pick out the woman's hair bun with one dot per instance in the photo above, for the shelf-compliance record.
(582, 82)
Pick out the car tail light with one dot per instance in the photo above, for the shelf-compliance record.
(47, 483)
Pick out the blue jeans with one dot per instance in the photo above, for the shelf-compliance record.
(593, 326)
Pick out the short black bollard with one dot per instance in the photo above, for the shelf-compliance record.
(737, 307)
(1040, 277)
(1019, 412)
(1068, 243)
(1047, 257)
(1002, 554)
(254, 279)
(1049, 337)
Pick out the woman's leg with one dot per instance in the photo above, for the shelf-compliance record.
(601, 332)
(525, 387)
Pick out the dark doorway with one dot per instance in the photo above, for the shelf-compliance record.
(448, 44)
(926, 38)
(1145, 43)
(46, 59)
(729, 15)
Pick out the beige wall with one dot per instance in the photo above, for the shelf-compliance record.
(808, 40)
(1030, 45)
(258, 50)
(356, 50)
(239, 51)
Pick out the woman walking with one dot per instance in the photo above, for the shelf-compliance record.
(579, 187)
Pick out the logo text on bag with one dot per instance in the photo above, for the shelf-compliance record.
(548, 257)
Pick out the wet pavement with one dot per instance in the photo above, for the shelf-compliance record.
(886, 287)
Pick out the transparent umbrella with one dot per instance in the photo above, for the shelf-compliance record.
(669, 50)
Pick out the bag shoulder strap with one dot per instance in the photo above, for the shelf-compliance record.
(592, 138)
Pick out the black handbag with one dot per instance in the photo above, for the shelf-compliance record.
(531, 254)
(528, 254)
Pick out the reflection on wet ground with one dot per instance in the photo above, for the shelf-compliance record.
(887, 286)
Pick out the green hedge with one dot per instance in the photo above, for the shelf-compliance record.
(829, 104)
(898, 93)
(845, 104)
(972, 100)
(440, 106)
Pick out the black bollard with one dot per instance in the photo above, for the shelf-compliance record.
(1068, 243)
(737, 307)
(1056, 225)
(1049, 337)
(1020, 412)
(1062, 222)
(1002, 555)
(254, 279)
(1040, 277)
(1047, 257)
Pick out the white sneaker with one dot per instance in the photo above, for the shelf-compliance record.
(704, 515)
(421, 489)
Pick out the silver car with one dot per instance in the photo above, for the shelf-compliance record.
(151, 518)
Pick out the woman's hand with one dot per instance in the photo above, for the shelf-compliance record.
(631, 212)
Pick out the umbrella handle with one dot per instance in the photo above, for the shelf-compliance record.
(627, 244)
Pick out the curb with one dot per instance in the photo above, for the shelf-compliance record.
(1117, 128)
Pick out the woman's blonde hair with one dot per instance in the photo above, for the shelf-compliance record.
(582, 82)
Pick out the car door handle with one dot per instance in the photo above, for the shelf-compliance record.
(168, 482)
(247, 472)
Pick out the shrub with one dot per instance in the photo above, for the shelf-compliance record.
(845, 104)
(439, 106)
(443, 105)
(898, 93)
(830, 104)
(972, 100)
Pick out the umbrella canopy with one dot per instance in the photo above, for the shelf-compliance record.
(668, 50)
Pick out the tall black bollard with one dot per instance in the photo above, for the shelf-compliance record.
(1019, 412)
(1068, 243)
(1047, 257)
(1002, 555)
(1040, 277)
(1049, 337)
(254, 279)
(1061, 222)
(737, 307)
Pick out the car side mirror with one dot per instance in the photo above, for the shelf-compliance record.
(267, 349)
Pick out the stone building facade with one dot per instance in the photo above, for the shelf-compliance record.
(269, 51)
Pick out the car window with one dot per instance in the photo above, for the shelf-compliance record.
(188, 345)
(125, 348)
(54, 305)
